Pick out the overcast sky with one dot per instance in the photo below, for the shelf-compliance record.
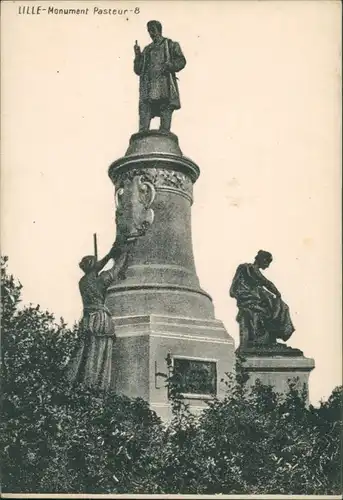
(260, 116)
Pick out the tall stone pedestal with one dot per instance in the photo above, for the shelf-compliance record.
(159, 308)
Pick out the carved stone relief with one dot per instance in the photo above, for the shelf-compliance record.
(134, 198)
(161, 179)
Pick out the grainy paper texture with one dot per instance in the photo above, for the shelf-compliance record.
(260, 115)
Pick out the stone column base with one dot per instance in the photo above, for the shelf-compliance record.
(140, 354)
(277, 371)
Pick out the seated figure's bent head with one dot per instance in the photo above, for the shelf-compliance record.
(154, 28)
(263, 259)
(87, 263)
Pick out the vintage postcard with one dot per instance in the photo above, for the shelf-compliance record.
(170, 248)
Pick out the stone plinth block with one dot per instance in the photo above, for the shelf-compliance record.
(194, 346)
(277, 371)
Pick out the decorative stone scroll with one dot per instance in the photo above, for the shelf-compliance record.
(196, 376)
(134, 198)
(161, 179)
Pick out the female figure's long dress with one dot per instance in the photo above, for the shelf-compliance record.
(263, 317)
(92, 363)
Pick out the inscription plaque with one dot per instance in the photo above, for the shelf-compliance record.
(196, 376)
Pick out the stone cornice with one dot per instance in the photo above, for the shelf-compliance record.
(161, 178)
(155, 160)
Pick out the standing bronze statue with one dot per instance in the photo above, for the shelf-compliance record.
(156, 66)
(262, 315)
(92, 363)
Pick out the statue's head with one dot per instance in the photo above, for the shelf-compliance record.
(263, 259)
(87, 263)
(154, 29)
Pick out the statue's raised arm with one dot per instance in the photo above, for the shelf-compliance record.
(91, 364)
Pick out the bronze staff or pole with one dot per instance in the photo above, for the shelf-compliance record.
(95, 247)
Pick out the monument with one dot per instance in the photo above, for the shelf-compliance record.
(159, 309)
(263, 318)
(148, 315)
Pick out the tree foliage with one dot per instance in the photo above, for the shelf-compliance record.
(60, 438)
(56, 437)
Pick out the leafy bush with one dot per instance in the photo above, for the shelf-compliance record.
(56, 437)
(255, 442)
(258, 442)
(60, 438)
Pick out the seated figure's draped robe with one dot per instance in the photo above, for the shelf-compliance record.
(266, 316)
(92, 362)
(156, 87)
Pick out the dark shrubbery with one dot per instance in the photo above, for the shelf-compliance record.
(55, 437)
(58, 438)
